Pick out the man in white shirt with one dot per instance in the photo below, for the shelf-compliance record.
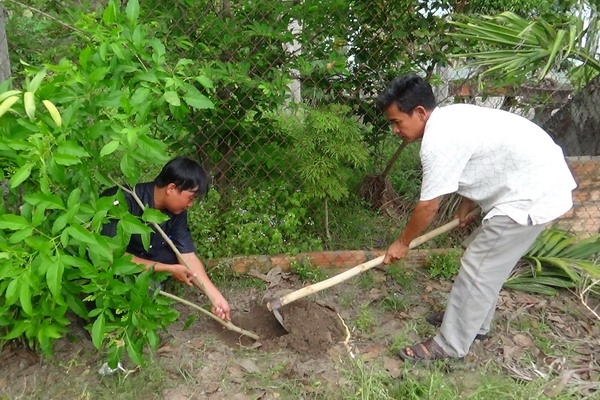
(499, 161)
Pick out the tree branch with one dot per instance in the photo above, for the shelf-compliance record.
(226, 324)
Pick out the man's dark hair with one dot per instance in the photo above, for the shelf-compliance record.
(186, 174)
(407, 92)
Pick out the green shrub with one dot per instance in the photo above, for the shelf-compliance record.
(268, 219)
(63, 135)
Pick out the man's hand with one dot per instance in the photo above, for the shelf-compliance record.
(395, 252)
(181, 273)
(464, 208)
(221, 308)
(465, 220)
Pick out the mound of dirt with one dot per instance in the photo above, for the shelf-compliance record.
(312, 328)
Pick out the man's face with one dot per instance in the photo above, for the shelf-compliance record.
(179, 200)
(409, 127)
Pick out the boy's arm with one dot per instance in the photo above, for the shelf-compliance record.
(179, 272)
(220, 306)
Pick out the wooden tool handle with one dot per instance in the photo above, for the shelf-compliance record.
(334, 280)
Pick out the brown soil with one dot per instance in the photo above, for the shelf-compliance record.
(535, 337)
(313, 328)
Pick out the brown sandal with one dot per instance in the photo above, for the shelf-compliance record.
(425, 351)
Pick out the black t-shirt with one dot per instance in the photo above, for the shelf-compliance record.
(175, 227)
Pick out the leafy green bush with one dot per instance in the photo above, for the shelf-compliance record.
(406, 173)
(326, 148)
(355, 226)
(267, 219)
(325, 145)
(70, 128)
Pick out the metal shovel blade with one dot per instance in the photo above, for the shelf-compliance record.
(274, 306)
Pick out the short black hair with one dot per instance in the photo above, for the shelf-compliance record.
(186, 174)
(407, 92)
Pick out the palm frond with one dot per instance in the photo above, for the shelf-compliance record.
(532, 287)
(515, 45)
(557, 259)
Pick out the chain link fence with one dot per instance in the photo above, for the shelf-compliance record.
(293, 79)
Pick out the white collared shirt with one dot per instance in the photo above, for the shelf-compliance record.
(502, 161)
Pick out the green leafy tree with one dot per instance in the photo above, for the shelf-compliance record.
(238, 45)
(64, 135)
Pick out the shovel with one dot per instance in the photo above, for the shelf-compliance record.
(275, 304)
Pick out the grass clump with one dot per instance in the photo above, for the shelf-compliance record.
(400, 276)
(366, 320)
(308, 272)
(395, 303)
(445, 265)
(223, 275)
(367, 383)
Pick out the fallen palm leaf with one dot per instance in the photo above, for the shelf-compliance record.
(556, 260)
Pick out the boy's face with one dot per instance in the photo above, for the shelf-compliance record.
(409, 127)
(177, 201)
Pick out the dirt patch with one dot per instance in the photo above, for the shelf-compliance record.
(311, 328)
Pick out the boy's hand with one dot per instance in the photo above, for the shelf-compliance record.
(182, 274)
(221, 308)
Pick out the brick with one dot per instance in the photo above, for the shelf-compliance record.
(580, 196)
(594, 195)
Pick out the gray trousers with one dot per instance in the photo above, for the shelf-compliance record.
(485, 266)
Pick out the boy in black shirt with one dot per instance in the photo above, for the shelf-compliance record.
(173, 191)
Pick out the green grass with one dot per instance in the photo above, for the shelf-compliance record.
(394, 303)
(365, 280)
(354, 226)
(275, 378)
(366, 319)
(401, 276)
(367, 382)
(308, 272)
(444, 265)
(223, 276)
(408, 331)
(443, 381)
(144, 383)
(348, 297)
